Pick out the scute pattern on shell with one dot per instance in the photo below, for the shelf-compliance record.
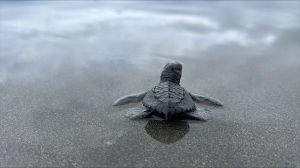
(168, 98)
(167, 91)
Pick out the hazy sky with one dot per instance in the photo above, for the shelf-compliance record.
(51, 34)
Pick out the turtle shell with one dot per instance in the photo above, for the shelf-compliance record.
(168, 98)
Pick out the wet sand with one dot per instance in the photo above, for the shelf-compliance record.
(67, 119)
(57, 86)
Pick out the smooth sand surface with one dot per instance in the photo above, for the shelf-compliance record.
(56, 111)
(69, 120)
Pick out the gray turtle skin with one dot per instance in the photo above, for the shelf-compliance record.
(168, 100)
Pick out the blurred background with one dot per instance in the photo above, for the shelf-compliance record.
(62, 65)
(40, 37)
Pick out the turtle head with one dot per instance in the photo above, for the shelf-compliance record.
(171, 72)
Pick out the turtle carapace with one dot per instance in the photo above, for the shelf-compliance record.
(168, 99)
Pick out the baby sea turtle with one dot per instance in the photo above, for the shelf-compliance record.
(168, 99)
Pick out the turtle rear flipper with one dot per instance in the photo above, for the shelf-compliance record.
(198, 114)
(200, 98)
(130, 98)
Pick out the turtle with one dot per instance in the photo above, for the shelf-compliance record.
(168, 100)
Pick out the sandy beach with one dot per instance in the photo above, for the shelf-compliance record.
(56, 93)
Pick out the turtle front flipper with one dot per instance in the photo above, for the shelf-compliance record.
(130, 98)
(136, 114)
(200, 98)
(198, 114)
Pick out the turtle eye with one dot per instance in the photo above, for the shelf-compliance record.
(170, 67)
(166, 67)
(178, 67)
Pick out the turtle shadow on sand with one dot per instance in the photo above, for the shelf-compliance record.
(167, 132)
